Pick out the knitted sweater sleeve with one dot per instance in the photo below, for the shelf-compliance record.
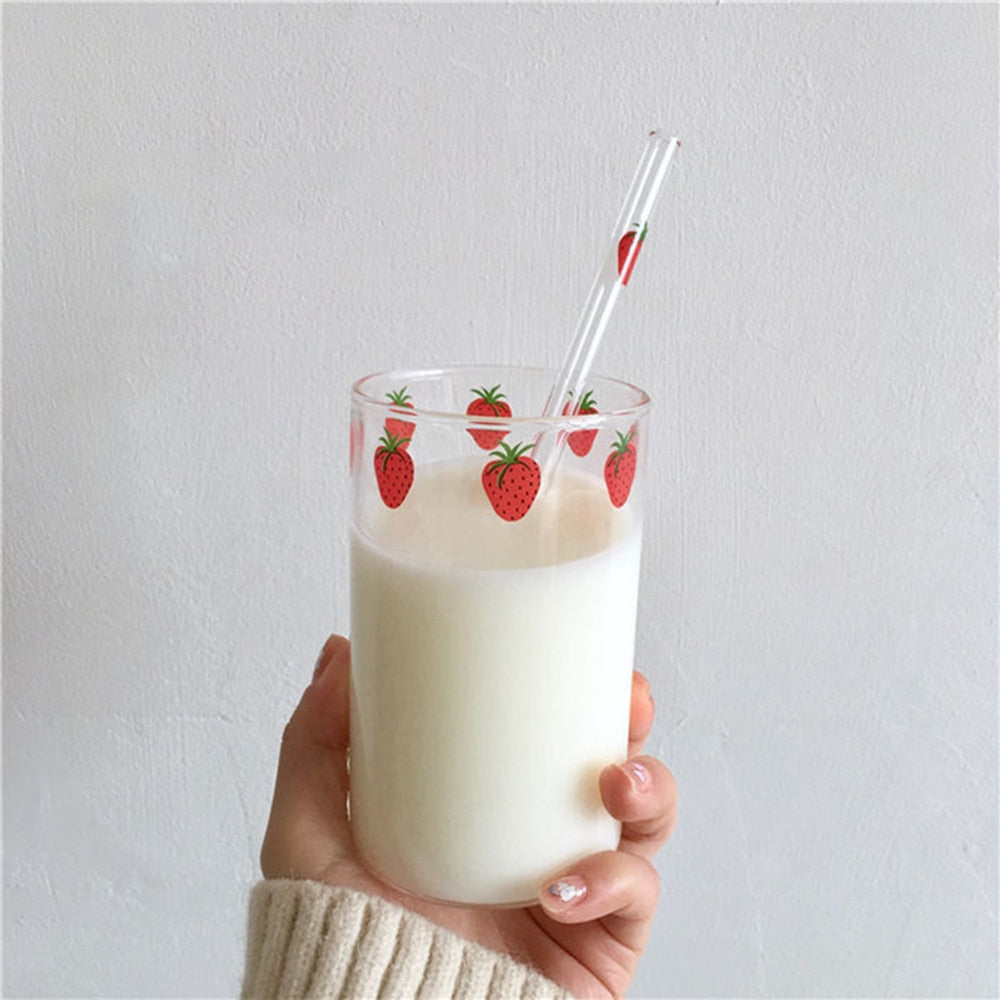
(306, 939)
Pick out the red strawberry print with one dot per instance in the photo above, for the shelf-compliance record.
(393, 470)
(625, 248)
(582, 441)
(400, 428)
(619, 468)
(488, 403)
(512, 481)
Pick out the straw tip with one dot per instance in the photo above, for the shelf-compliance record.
(659, 134)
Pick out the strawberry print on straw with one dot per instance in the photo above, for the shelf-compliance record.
(619, 468)
(625, 248)
(581, 442)
(393, 470)
(488, 403)
(395, 427)
(512, 481)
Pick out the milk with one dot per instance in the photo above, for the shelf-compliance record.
(491, 680)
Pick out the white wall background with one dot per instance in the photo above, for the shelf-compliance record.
(216, 216)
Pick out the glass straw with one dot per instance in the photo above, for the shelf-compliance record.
(612, 276)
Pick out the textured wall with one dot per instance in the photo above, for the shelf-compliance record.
(216, 216)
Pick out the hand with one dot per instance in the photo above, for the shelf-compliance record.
(589, 942)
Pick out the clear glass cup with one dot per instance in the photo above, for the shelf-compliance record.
(493, 605)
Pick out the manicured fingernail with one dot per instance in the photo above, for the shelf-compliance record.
(568, 889)
(638, 774)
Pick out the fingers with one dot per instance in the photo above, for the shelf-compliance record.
(321, 716)
(310, 791)
(601, 886)
(642, 794)
(335, 648)
(619, 889)
(640, 714)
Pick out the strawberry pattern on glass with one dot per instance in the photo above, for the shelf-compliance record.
(580, 442)
(395, 427)
(488, 403)
(393, 470)
(619, 468)
(512, 480)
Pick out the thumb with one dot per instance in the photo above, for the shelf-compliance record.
(321, 716)
(307, 829)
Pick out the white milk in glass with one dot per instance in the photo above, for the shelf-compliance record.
(492, 666)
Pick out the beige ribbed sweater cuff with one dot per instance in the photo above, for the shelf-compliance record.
(306, 939)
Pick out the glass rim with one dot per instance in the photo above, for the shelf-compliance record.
(360, 394)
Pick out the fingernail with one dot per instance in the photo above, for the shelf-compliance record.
(649, 691)
(568, 889)
(321, 665)
(638, 774)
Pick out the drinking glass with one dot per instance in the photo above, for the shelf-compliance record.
(494, 576)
